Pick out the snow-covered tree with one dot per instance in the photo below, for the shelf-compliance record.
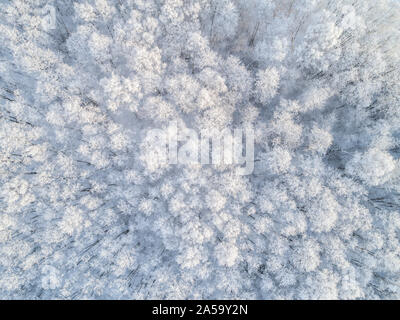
(91, 206)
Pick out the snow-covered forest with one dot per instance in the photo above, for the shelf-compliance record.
(88, 212)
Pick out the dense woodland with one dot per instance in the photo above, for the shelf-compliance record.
(86, 211)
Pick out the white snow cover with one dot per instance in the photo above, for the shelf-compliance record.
(88, 209)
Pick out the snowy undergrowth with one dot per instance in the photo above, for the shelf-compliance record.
(86, 210)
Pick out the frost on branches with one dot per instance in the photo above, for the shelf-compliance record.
(89, 210)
